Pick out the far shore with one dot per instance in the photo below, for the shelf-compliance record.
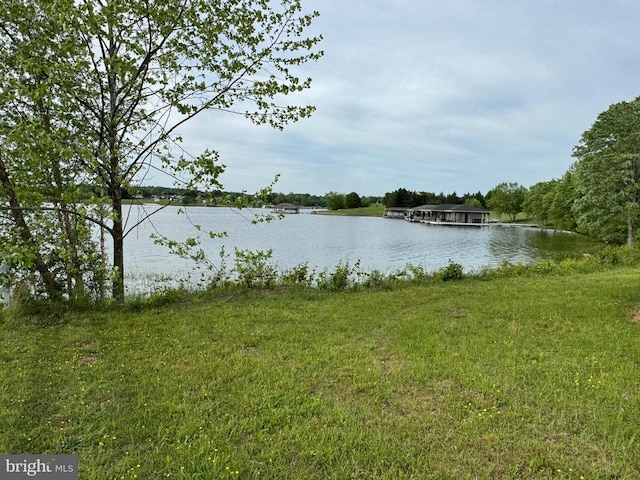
(376, 210)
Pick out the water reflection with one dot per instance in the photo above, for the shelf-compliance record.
(555, 245)
(323, 241)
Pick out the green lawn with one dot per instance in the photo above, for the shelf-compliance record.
(373, 211)
(523, 378)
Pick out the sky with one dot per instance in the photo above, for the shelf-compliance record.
(438, 96)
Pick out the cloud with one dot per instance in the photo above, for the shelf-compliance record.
(439, 96)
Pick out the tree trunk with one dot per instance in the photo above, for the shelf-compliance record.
(630, 239)
(73, 266)
(115, 179)
(118, 246)
(25, 233)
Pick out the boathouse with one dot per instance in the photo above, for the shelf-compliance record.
(286, 208)
(449, 214)
(395, 212)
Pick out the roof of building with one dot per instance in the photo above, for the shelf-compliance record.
(451, 207)
(286, 205)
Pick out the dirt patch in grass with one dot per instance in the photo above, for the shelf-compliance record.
(88, 351)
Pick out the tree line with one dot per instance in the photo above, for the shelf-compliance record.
(599, 195)
(331, 200)
(406, 198)
(505, 198)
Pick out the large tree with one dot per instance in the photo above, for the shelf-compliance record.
(335, 200)
(607, 174)
(560, 201)
(507, 198)
(537, 201)
(352, 200)
(43, 230)
(129, 73)
(398, 198)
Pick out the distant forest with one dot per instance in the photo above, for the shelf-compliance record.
(398, 198)
(406, 198)
(219, 197)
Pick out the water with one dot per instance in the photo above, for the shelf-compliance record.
(4, 290)
(322, 241)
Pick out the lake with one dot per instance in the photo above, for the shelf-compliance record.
(322, 241)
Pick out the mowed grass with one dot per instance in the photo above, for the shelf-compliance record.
(523, 378)
(376, 210)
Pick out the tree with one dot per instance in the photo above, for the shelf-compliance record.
(129, 73)
(506, 198)
(476, 199)
(607, 174)
(367, 201)
(39, 150)
(536, 202)
(453, 198)
(190, 197)
(398, 198)
(352, 200)
(473, 201)
(561, 200)
(335, 201)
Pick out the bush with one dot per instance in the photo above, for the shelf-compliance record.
(453, 271)
(339, 279)
(376, 279)
(416, 272)
(627, 256)
(254, 268)
(299, 275)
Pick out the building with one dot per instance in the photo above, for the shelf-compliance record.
(286, 208)
(449, 214)
(395, 212)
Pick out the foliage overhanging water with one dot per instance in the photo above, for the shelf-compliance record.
(323, 241)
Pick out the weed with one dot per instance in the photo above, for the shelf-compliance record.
(255, 268)
(453, 271)
(342, 277)
(417, 272)
(376, 279)
(299, 275)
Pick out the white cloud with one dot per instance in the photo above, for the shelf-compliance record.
(439, 96)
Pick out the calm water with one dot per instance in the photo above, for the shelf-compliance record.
(323, 241)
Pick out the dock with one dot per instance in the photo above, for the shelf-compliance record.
(455, 224)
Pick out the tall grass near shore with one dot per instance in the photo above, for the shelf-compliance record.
(527, 377)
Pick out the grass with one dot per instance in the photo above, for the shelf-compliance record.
(376, 210)
(520, 218)
(524, 378)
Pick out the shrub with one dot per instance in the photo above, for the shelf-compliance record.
(254, 268)
(453, 271)
(626, 256)
(416, 272)
(299, 275)
(339, 279)
(376, 279)
(609, 256)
